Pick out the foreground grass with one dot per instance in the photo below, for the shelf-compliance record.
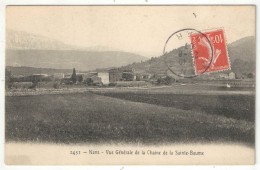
(91, 118)
(231, 106)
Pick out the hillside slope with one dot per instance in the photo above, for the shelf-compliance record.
(242, 54)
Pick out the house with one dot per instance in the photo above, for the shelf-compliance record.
(96, 78)
(67, 76)
(104, 77)
(128, 75)
(58, 76)
(40, 75)
(115, 75)
(146, 76)
(231, 75)
(138, 77)
(223, 76)
(142, 76)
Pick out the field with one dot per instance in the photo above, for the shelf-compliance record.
(131, 117)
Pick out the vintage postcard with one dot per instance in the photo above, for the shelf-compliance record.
(130, 85)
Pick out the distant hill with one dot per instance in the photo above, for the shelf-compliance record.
(65, 59)
(19, 40)
(242, 54)
(244, 49)
(30, 50)
(156, 65)
(25, 51)
(26, 71)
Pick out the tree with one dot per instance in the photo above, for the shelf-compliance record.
(80, 78)
(89, 81)
(168, 80)
(74, 76)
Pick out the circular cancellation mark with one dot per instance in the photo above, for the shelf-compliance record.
(180, 50)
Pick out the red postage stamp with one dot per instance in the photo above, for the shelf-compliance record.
(210, 51)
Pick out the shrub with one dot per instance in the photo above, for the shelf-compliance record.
(55, 85)
(165, 80)
(34, 85)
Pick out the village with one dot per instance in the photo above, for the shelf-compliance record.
(117, 77)
(112, 77)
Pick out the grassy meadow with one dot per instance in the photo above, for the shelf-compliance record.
(130, 118)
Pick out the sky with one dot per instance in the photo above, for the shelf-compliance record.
(137, 29)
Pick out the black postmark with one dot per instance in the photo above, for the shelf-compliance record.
(178, 55)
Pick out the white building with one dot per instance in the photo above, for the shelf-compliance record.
(104, 77)
(231, 75)
(223, 75)
(58, 75)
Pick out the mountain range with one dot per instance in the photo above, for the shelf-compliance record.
(31, 50)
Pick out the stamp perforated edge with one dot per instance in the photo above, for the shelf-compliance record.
(225, 43)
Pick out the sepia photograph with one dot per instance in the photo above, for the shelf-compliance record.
(130, 84)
